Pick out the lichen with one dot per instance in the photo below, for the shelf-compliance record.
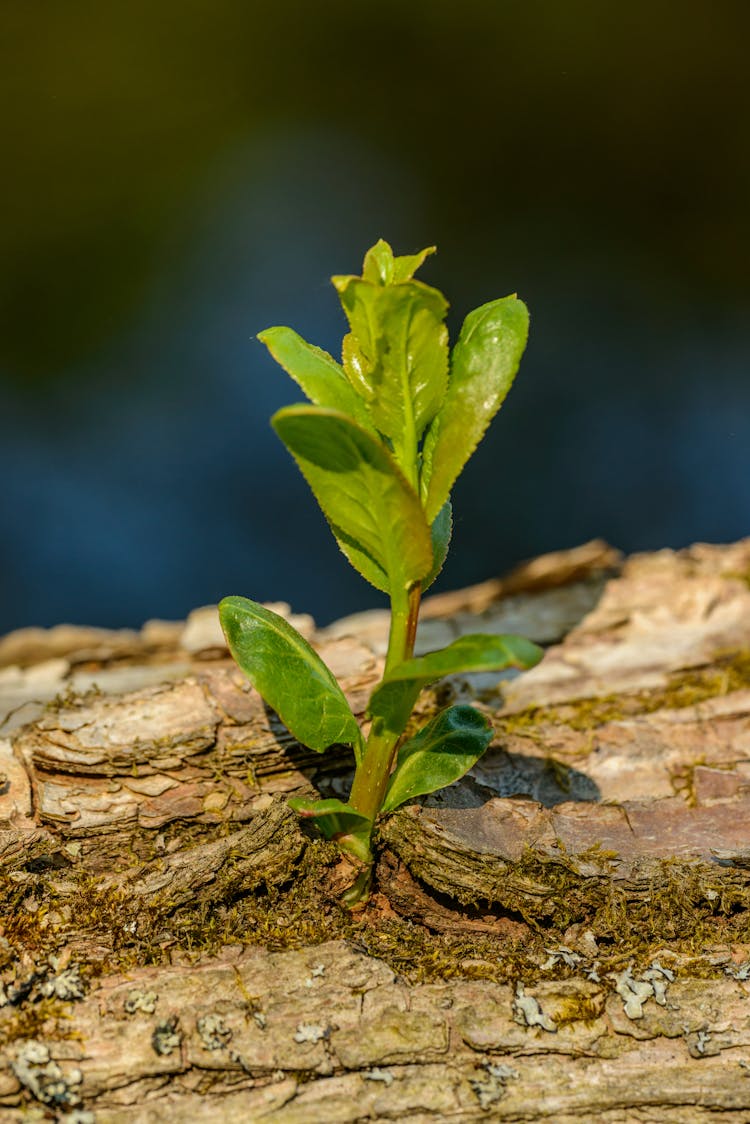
(44, 1078)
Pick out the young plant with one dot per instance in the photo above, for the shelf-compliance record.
(387, 433)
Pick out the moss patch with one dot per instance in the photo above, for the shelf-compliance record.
(683, 909)
(728, 672)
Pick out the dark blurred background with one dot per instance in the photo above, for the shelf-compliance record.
(179, 175)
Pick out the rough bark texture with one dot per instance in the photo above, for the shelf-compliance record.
(563, 935)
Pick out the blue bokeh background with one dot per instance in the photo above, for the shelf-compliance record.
(180, 176)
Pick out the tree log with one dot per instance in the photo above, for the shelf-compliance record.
(563, 935)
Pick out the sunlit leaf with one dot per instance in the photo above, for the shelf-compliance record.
(439, 754)
(382, 268)
(396, 356)
(374, 513)
(316, 372)
(406, 266)
(289, 675)
(393, 701)
(483, 365)
(378, 264)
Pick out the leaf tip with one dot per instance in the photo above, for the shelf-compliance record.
(532, 655)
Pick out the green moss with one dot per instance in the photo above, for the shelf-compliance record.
(579, 1008)
(46, 1018)
(673, 911)
(682, 907)
(729, 672)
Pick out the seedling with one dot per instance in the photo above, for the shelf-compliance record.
(381, 445)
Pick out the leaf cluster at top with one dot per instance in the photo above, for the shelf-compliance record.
(391, 427)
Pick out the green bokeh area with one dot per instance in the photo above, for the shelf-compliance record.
(618, 123)
(177, 177)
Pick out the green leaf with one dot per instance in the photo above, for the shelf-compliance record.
(378, 264)
(289, 675)
(396, 356)
(338, 821)
(334, 815)
(438, 755)
(316, 372)
(483, 365)
(477, 651)
(440, 531)
(382, 268)
(405, 267)
(373, 511)
(393, 700)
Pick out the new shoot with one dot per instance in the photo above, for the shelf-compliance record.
(381, 443)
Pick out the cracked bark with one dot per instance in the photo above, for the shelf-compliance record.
(619, 780)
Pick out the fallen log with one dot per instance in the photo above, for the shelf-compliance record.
(562, 935)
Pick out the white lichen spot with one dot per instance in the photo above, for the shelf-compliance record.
(309, 1032)
(44, 1078)
(490, 1089)
(260, 1019)
(317, 972)
(633, 992)
(383, 1075)
(501, 1072)
(65, 985)
(166, 1038)
(742, 972)
(78, 1116)
(144, 1001)
(562, 953)
(698, 1042)
(213, 1031)
(527, 1012)
(487, 1090)
(659, 978)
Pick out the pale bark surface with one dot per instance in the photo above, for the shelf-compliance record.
(564, 935)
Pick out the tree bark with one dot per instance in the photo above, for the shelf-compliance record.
(563, 935)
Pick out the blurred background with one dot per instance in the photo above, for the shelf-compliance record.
(179, 175)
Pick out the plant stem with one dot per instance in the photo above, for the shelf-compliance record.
(373, 772)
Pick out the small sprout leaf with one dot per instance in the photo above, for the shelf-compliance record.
(438, 755)
(396, 356)
(289, 675)
(483, 365)
(338, 821)
(394, 699)
(327, 810)
(373, 511)
(316, 372)
(406, 266)
(382, 268)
